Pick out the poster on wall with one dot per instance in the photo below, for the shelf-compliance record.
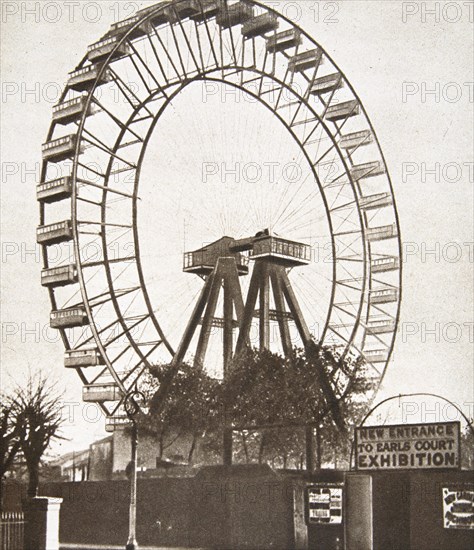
(408, 446)
(324, 503)
(458, 507)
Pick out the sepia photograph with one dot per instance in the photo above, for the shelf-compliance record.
(237, 285)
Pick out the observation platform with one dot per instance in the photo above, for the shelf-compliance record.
(204, 260)
(261, 246)
(283, 251)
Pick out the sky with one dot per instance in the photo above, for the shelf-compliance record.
(411, 65)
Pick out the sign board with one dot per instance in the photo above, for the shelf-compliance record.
(458, 507)
(324, 503)
(117, 422)
(408, 446)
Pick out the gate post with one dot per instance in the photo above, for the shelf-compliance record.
(42, 523)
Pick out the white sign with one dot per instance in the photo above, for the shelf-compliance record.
(458, 507)
(408, 446)
(325, 504)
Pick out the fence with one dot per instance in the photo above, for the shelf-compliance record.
(11, 530)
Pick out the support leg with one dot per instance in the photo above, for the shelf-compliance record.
(244, 331)
(311, 352)
(280, 306)
(193, 322)
(264, 320)
(207, 320)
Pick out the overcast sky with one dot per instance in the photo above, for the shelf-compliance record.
(411, 67)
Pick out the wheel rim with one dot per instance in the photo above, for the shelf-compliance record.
(223, 46)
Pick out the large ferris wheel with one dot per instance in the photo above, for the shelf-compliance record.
(211, 181)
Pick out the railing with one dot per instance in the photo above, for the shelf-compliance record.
(209, 258)
(290, 249)
(11, 530)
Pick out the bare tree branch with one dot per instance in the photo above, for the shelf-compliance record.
(37, 410)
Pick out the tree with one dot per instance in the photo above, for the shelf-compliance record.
(267, 398)
(189, 408)
(264, 389)
(9, 434)
(36, 408)
(9, 438)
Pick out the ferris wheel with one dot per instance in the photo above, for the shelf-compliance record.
(211, 181)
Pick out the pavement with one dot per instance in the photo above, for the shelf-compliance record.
(107, 547)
